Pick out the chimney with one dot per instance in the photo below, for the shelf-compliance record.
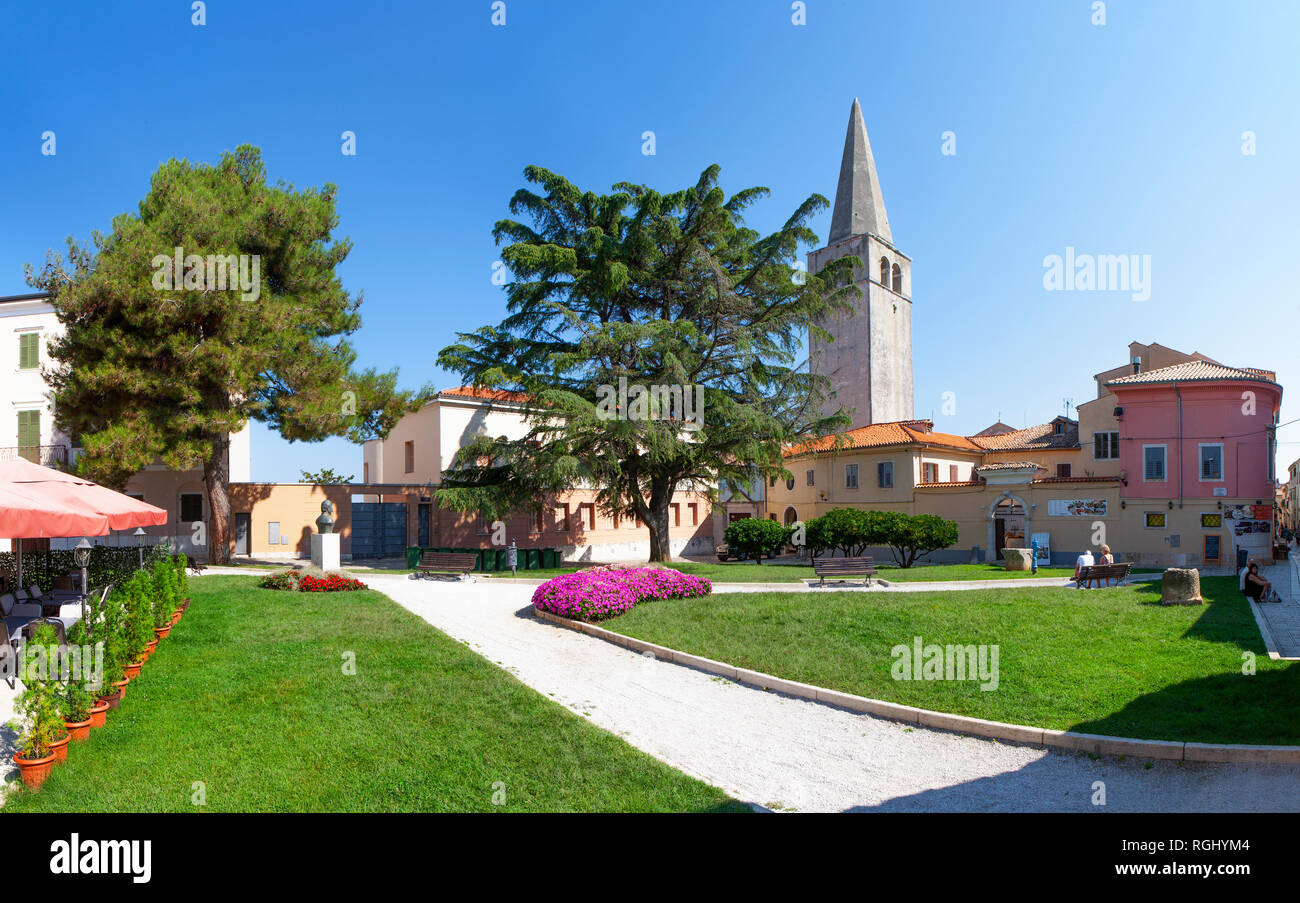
(1137, 365)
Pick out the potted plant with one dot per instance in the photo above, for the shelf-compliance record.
(163, 573)
(75, 700)
(44, 739)
(114, 625)
(139, 624)
(183, 582)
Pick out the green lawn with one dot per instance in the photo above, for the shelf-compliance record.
(1097, 661)
(248, 696)
(772, 572)
(937, 572)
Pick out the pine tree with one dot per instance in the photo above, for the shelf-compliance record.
(162, 358)
(617, 295)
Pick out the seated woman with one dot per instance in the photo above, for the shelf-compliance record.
(1255, 586)
(1106, 556)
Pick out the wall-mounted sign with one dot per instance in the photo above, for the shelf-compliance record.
(1076, 507)
(1220, 490)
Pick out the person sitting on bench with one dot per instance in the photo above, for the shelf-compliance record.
(1083, 561)
(1106, 556)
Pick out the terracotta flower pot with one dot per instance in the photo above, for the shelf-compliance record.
(133, 669)
(185, 604)
(34, 771)
(60, 748)
(78, 730)
(148, 650)
(113, 699)
(121, 686)
(161, 632)
(176, 618)
(99, 713)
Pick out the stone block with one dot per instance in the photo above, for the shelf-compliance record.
(1018, 559)
(1181, 586)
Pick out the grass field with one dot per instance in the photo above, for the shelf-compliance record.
(248, 696)
(778, 572)
(1110, 661)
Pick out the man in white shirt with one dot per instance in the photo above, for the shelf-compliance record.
(1083, 561)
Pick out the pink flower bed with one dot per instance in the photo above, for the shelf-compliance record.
(599, 594)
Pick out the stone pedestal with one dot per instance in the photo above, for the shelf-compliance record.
(1018, 559)
(325, 551)
(1181, 586)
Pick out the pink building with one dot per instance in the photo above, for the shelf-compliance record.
(1196, 455)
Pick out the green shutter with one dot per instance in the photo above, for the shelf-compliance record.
(29, 351)
(29, 435)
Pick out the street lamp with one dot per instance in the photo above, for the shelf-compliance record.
(139, 535)
(81, 558)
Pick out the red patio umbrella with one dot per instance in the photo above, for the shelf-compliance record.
(43, 502)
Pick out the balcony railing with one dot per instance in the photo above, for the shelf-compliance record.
(45, 455)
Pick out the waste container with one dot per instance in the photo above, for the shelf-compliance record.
(412, 557)
(1242, 557)
(500, 564)
(532, 559)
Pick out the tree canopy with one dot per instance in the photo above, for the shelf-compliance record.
(216, 303)
(657, 338)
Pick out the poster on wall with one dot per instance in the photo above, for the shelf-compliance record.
(1044, 541)
(1076, 507)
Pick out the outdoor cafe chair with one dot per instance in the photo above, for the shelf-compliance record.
(60, 629)
(8, 657)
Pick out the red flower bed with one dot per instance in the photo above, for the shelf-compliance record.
(331, 584)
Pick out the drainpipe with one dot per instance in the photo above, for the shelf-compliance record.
(1179, 396)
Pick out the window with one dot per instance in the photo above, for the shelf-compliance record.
(850, 476)
(885, 474)
(898, 279)
(539, 521)
(929, 472)
(789, 484)
(562, 518)
(191, 507)
(29, 435)
(365, 472)
(1211, 521)
(409, 448)
(1153, 463)
(676, 510)
(1212, 462)
(1213, 547)
(771, 483)
(480, 524)
(952, 473)
(884, 271)
(695, 513)
(810, 477)
(587, 515)
(1155, 520)
(1105, 446)
(273, 533)
(1063, 471)
(29, 350)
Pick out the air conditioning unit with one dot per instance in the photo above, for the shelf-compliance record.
(1119, 412)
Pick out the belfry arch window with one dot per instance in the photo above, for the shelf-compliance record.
(884, 271)
(898, 279)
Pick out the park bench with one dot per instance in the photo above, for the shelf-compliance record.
(452, 564)
(844, 567)
(1103, 573)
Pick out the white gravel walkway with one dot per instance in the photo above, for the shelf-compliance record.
(790, 754)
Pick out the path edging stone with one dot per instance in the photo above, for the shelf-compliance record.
(1095, 744)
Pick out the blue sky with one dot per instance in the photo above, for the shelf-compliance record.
(1122, 139)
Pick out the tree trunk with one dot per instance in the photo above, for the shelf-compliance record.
(215, 477)
(661, 494)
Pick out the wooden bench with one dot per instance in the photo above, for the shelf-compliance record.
(1103, 572)
(448, 563)
(844, 567)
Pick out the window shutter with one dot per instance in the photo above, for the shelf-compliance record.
(1099, 446)
(29, 434)
(29, 351)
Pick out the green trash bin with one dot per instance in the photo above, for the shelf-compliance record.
(548, 558)
(532, 559)
(412, 557)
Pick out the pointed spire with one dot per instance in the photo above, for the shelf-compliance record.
(859, 205)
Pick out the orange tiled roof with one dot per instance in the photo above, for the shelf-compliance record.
(1042, 436)
(1195, 371)
(880, 435)
(1006, 465)
(485, 394)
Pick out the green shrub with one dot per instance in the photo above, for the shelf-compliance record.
(42, 718)
(163, 591)
(75, 699)
(755, 537)
(139, 615)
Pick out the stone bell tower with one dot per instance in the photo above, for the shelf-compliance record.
(869, 364)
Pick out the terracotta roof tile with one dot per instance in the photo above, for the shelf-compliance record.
(1195, 371)
(486, 394)
(880, 435)
(1042, 436)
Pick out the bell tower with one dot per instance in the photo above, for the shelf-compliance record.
(869, 364)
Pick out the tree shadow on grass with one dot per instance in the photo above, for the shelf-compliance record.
(1226, 617)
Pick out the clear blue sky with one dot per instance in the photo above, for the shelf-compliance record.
(1124, 138)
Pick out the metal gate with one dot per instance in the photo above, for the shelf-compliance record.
(378, 529)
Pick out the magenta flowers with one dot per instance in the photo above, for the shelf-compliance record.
(601, 593)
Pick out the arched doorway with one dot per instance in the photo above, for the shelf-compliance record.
(791, 516)
(1009, 525)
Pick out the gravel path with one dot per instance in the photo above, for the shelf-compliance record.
(786, 753)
